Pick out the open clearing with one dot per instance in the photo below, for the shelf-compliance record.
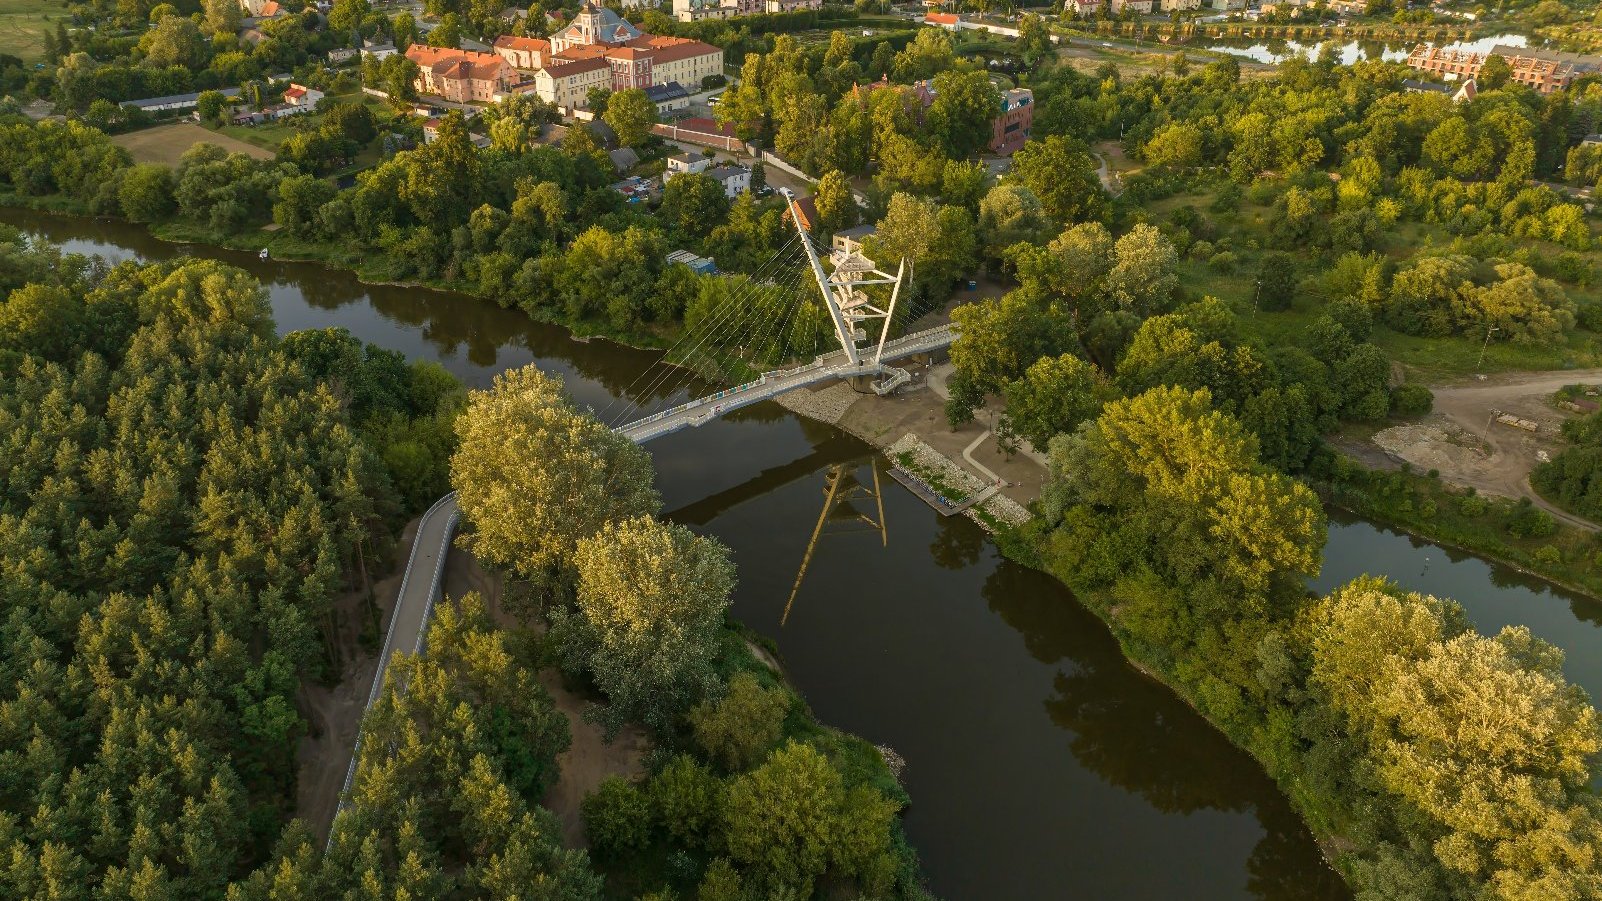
(167, 143)
(23, 24)
(1461, 441)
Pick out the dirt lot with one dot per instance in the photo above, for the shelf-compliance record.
(1461, 440)
(166, 143)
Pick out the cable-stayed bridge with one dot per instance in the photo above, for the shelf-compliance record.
(851, 309)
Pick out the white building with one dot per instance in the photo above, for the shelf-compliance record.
(736, 180)
(684, 163)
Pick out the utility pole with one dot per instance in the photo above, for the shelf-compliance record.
(1481, 364)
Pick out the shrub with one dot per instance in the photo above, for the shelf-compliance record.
(617, 818)
(1224, 261)
(1411, 400)
(1528, 522)
(1472, 506)
(738, 730)
(1202, 250)
(1548, 554)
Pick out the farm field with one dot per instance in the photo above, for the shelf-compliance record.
(23, 24)
(167, 143)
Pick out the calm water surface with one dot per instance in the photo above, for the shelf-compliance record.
(1277, 50)
(1040, 764)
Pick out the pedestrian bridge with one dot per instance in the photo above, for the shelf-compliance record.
(772, 384)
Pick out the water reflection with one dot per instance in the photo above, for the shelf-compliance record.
(1277, 50)
(1040, 763)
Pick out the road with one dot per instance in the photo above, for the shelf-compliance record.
(1507, 469)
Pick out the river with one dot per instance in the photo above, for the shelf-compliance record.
(1277, 50)
(1039, 762)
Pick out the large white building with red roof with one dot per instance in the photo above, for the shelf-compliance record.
(598, 49)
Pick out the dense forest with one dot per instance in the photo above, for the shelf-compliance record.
(185, 502)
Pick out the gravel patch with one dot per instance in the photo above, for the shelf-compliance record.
(828, 405)
(926, 460)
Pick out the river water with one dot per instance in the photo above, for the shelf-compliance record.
(1041, 765)
(1277, 50)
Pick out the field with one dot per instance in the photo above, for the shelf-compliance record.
(166, 143)
(23, 24)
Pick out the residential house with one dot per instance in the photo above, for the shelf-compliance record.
(460, 76)
(1137, 6)
(172, 102)
(685, 163)
(736, 180)
(806, 210)
(700, 265)
(298, 101)
(523, 53)
(1231, 5)
(624, 158)
(1084, 9)
(696, 10)
(1462, 93)
(1179, 5)
(948, 21)
(1011, 129)
(1347, 7)
(379, 50)
(790, 6)
(847, 241)
(262, 9)
(668, 97)
(341, 55)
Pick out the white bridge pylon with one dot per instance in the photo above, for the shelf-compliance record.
(853, 312)
(849, 305)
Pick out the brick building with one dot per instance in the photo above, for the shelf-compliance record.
(1011, 129)
(1544, 71)
(601, 50)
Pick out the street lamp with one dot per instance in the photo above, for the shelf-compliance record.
(1481, 363)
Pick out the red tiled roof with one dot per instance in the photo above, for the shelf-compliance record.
(941, 18)
(447, 62)
(269, 9)
(681, 50)
(706, 126)
(294, 92)
(513, 42)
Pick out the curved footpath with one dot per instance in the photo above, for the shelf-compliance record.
(414, 606)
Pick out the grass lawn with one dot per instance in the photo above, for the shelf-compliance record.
(23, 24)
(269, 135)
(167, 143)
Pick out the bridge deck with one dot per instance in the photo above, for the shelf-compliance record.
(772, 384)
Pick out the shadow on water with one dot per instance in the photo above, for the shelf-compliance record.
(1040, 763)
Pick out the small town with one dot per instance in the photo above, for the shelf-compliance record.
(721, 450)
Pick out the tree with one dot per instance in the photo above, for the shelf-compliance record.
(617, 818)
(535, 476)
(1494, 73)
(1010, 214)
(146, 193)
(1142, 277)
(965, 105)
(1054, 396)
(1062, 174)
(1177, 145)
(837, 207)
(694, 203)
(222, 17)
(300, 198)
(929, 54)
(939, 240)
(649, 618)
(631, 114)
(346, 15)
(739, 729)
(791, 820)
(175, 41)
(211, 105)
(352, 121)
(1276, 281)
(448, 33)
